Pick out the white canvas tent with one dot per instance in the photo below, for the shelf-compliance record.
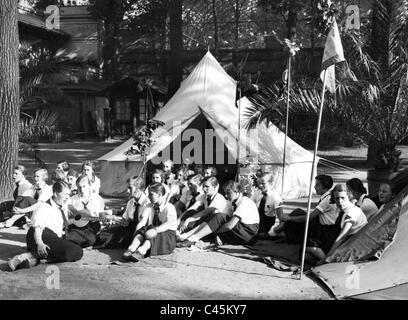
(211, 91)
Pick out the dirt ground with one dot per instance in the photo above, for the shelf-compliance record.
(231, 273)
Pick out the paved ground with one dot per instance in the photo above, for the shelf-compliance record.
(229, 273)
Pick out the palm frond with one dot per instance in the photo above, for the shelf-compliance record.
(265, 107)
(41, 126)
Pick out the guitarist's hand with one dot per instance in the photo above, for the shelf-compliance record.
(42, 250)
(104, 217)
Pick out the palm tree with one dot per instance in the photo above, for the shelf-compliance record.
(372, 86)
(36, 65)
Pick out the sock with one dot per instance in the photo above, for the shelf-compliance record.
(142, 250)
(133, 247)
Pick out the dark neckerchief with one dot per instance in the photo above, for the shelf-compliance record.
(210, 199)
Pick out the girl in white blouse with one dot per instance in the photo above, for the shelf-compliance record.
(156, 230)
(88, 169)
(358, 195)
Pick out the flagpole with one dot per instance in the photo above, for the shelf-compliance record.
(287, 121)
(239, 132)
(312, 176)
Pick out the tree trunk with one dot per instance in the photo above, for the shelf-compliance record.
(9, 96)
(372, 153)
(176, 46)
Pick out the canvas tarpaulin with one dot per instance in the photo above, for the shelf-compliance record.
(385, 240)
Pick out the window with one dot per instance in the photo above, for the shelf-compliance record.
(142, 109)
(122, 109)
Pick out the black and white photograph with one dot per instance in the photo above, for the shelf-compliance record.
(203, 154)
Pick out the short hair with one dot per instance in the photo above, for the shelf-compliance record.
(325, 180)
(72, 173)
(169, 161)
(392, 185)
(198, 168)
(196, 178)
(213, 170)
(58, 175)
(189, 173)
(83, 177)
(160, 172)
(232, 186)
(65, 165)
(44, 173)
(58, 186)
(341, 187)
(268, 176)
(157, 188)
(137, 182)
(183, 171)
(21, 168)
(356, 185)
(211, 180)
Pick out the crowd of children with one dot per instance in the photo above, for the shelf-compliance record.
(177, 209)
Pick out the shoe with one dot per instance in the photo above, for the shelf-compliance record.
(24, 260)
(274, 234)
(218, 241)
(126, 255)
(185, 244)
(136, 256)
(2, 225)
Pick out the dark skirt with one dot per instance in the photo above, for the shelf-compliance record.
(323, 236)
(116, 237)
(85, 236)
(164, 243)
(266, 223)
(240, 234)
(60, 250)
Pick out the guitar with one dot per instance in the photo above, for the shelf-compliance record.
(81, 221)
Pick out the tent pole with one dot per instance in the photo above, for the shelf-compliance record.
(287, 121)
(239, 133)
(312, 176)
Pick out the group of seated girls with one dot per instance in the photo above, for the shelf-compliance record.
(62, 218)
(184, 214)
(182, 207)
(340, 213)
(28, 196)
